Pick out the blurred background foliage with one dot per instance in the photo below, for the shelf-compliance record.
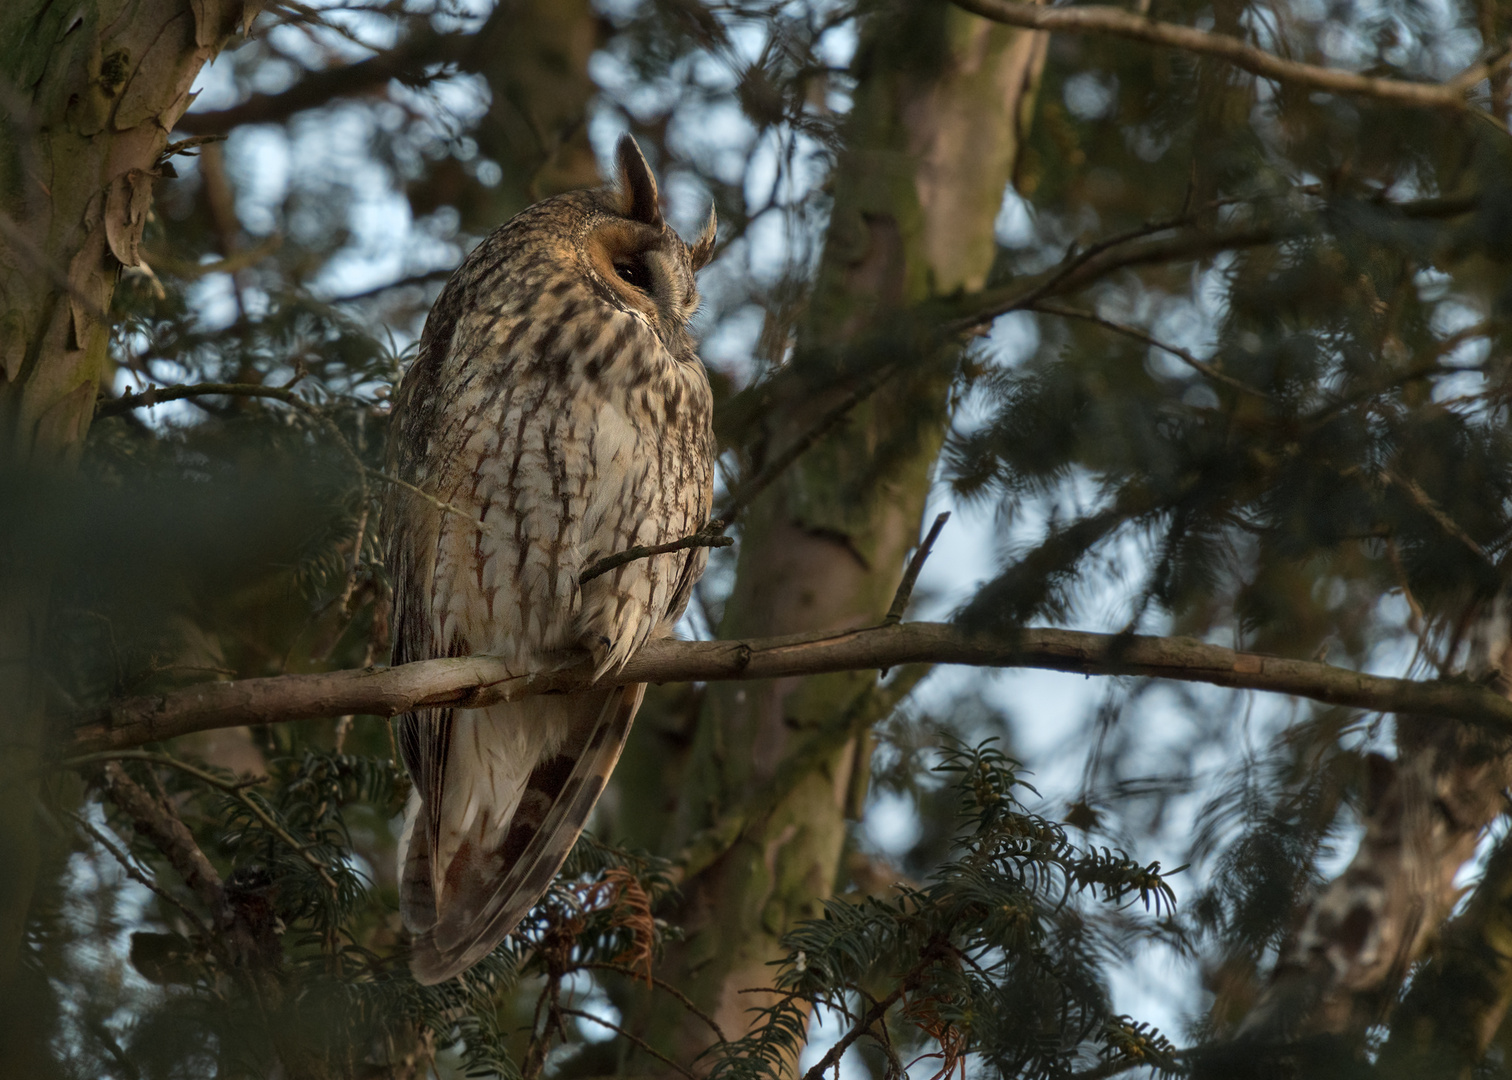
(1280, 424)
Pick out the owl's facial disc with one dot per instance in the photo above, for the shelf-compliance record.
(642, 260)
(618, 251)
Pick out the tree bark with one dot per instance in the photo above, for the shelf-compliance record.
(1357, 939)
(476, 681)
(89, 96)
(930, 148)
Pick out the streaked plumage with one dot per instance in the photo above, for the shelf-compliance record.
(558, 405)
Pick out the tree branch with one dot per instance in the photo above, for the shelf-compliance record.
(709, 536)
(1098, 19)
(1202, 367)
(475, 681)
(973, 312)
(157, 822)
(157, 395)
(406, 62)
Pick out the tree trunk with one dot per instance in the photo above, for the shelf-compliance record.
(91, 92)
(1357, 940)
(931, 145)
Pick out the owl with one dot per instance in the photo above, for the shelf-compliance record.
(556, 413)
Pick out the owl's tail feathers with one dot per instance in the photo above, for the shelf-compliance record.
(487, 896)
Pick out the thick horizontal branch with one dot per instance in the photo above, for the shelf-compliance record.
(474, 681)
(1116, 22)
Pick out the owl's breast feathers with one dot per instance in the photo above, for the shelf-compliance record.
(542, 427)
(568, 432)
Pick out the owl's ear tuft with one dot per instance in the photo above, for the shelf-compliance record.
(703, 248)
(638, 196)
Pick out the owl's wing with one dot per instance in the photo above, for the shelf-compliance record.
(488, 893)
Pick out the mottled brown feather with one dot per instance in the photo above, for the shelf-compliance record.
(557, 402)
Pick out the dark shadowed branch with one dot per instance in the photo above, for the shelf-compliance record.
(408, 62)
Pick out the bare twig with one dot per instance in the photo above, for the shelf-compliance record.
(911, 575)
(971, 312)
(1424, 502)
(235, 790)
(157, 395)
(412, 60)
(137, 875)
(661, 984)
(425, 278)
(647, 1047)
(1202, 367)
(709, 537)
(1116, 22)
(157, 822)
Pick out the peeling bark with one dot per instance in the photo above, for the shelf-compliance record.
(89, 96)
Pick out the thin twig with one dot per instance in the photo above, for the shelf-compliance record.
(1098, 19)
(1424, 502)
(747, 492)
(647, 1047)
(1202, 367)
(707, 537)
(426, 278)
(711, 535)
(974, 311)
(137, 875)
(1074, 261)
(157, 395)
(875, 1013)
(156, 821)
(235, 790)
(911, 575)
(661, 984)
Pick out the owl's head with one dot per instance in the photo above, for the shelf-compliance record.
(638, 255)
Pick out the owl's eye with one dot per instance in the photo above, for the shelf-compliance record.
(633, 272)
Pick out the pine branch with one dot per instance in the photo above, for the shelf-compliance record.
(475, 681)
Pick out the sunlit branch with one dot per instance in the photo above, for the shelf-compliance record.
(1099, 19)
(475, 681)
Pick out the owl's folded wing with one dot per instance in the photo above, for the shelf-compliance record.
(482, 907)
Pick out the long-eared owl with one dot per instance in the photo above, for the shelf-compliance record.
(556, 413)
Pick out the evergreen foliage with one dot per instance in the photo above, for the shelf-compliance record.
(1272, 412)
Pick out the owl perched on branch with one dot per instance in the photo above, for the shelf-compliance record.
(556, 413)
